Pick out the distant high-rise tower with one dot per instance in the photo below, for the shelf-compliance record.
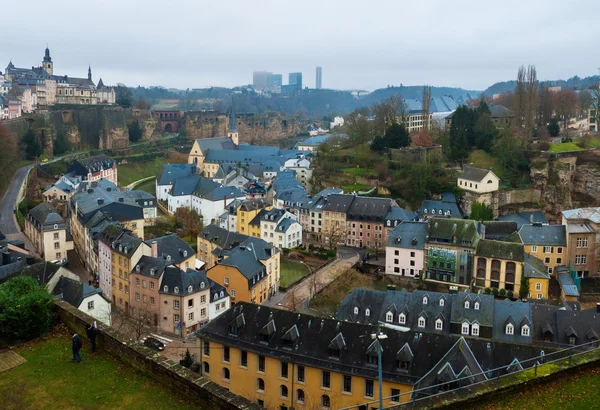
(47, 63)
(319, 78)
(295, 79)
(275, 80)
(260, 79)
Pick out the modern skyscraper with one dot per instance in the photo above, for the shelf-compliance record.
(319, 78)
(275, 80)
(260, 78)
(295, 79)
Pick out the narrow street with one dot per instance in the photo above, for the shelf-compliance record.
(298, 295)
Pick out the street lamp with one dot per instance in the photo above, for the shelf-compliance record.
(379, 336)
(309, 273)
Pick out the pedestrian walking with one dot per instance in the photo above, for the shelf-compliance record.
(76, 344)
(92, 333)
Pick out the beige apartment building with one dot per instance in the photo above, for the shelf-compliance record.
(47, 231)
(582, 226)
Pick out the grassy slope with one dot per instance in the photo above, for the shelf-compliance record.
(481, 159)
(291, 271)
(135, 171)
(49, 380)
(564, 147)
(148, 186)
(574, 391)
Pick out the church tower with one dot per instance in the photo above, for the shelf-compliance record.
(47, 64)
(90, 73)
(233, 133)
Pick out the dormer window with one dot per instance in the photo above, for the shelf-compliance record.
(421, 322)
(176, 290)
(402, 319)
(165, 288)
(367, 312)
(189, 289)
(510, 329)
(475, 329)
(152, 272)
(389, 317)
(425, 210)
(168, 257)
(467, 304)
(439, 324)
(476, 306)
(525, 330)
(185, 254)
(424, 300)
(137, 268)
(356, 310)
(222, 294)
(464, 328)
(433, 212)
(442, 301)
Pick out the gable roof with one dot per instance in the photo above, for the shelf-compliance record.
(180, 280)
(408, 234)
(457, 232)
(432, 208)
(46, 215)
(474, 174)
(172, 245)
(501, 250)
(543, 235)
(170, 173)
(526, 217)
(74, 292)
(499, 230)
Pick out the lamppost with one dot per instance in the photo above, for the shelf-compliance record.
(379, 336)
(310, 274)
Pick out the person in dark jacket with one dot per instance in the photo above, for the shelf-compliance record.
(76, 344)
(92, 333)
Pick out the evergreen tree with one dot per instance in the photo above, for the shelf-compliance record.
(481, 212)
(61, 144)
(524, 288)
(135, 132)
(553, 127)
(30, 146)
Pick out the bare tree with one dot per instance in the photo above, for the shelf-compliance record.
(293, 300)
(520, 98)
(135, 322)
(531, 88)
(566, 105)
(336, 235)
(595, 105)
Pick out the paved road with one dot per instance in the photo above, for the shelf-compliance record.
(8, 223)
(298, 295)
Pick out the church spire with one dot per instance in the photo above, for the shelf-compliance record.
(90, 72)
(47, 57)
(233, 133)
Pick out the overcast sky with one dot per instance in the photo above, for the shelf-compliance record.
(360, 44)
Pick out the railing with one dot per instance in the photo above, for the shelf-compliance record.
(495, 379)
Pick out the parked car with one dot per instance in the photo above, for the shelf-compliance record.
(60, 262)
(154, 344)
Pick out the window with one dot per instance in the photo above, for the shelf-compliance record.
(206, 368)
(137, 297)
(476, 306)
(91, 305)
(58, 255)
(56, 235)
(206, 348)
(137, 282)
(151, 285)
(260, 385)
(261, 363)
(369, 388)
(226, 280)
(442, 301)
(580, 259)
(283, 390)
(325, 401)
(546, 260)
(525, 330)
(395, 396)
(300, 396)
(56, 245)
(175, 304)
(152, 300)
(326, 379)
(226, 353)
(424, 300)
(582, 242)
(402, 319)
(474, 329)
(191, 316)
(465, 328)
(203, 312)
(547, 249)
(284, 370)
(439, 324)
(421, 321)
(533, 248)
(232, 293)
(559, 250)
(538, 286)
(226, 373)
(368, 312)
(389, 317)
(347, 384)
(559, 260)
(300, 375)
(510, 329)
(467, 304)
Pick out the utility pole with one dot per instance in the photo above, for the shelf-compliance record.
(379, 336)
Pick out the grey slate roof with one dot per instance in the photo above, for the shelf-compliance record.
(151, 267)
(483, 316)
(520, 314)
(285, 224)
(567, 284)
(246, 261)
(221, 193)
(500, 250)
(544, 235)
(499, 230)
(172, 245)
(177, 281)
(432, 208)
(172, 172)
(218, 143)
(45, 215)
(74, 292)
(523, 218)
(217, 291)
(187, 185)
(457, 232)
(91, 164)
(500, 111)
(368, 209)
(409, 235)
(473, 174)
(534, 267)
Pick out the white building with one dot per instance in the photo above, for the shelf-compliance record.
(478, 180)
(87, 299)
(219, 300)
(280, 228)
(168, 175)
(405, 249)
(337, 122)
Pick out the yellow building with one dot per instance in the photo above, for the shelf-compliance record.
(546, 242)
(539, 280)
(281, 359)
(246, 213)
(499, 265)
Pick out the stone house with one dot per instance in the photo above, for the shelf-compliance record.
(47, 230)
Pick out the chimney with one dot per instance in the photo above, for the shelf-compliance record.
(597, 307)
(154, 249)
(224, 201)
(6, 259)
(531, 219)
(100, 201)
(121, 199)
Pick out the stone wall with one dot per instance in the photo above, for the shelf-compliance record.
(181, 380)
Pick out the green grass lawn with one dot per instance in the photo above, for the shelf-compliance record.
(135, 171)
(49, 380)
(148, 186)
(357, 186)
(573, 391)
(564, 147)
(360, 171)
(291, 271)
(481, 159)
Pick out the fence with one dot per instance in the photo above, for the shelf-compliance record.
(495, 380)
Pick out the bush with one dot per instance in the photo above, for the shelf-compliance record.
(26, 308)
(487, 291)
(286, 251)
(331, 253)
(502, 292)
(187, 360)
(495, 291)
(510, 294)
